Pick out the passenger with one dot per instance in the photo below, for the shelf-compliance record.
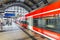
(10, 22)
(1, 25)
(7, 22)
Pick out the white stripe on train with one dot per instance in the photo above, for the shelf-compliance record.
(45, 12)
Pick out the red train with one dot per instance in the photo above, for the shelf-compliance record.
(45, 21)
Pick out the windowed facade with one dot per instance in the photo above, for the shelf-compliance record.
(17, 10)
(19, 13)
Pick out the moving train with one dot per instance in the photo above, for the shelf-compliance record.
(44, 21)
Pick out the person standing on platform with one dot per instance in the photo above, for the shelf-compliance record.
(1, 25)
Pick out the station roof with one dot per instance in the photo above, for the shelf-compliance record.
(27, 4)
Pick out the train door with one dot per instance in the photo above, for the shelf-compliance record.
(30, 23)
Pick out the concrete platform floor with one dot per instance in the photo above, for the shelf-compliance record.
(13, 32)
(14, 35)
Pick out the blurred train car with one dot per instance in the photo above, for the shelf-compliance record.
(46, 21)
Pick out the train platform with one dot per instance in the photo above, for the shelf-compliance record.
(14, 32)
(14, 35)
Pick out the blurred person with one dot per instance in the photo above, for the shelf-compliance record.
(10, 22)
(1, 25)
(7, 22)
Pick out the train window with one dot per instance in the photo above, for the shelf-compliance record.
(53, 24)
(39, 22)
(25, 22)
(35, 22)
